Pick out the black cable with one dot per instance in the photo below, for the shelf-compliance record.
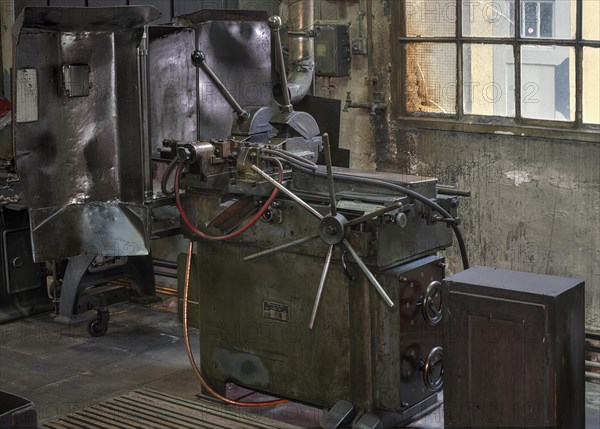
(408, 192)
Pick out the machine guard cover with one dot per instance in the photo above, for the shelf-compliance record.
(80, 157)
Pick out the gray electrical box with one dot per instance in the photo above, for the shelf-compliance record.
(513, 350)
(332, 51)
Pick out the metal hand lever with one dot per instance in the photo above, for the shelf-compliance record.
(368, 274)
(199, 60)
(280, 248)
(288, 192)
(275, 24)
(374, 214)
(313, 316)
(327, 151)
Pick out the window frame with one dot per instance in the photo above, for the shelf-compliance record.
(462, 122)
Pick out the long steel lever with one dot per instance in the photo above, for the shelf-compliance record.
(275, 24)
(280, 248)
(199, 60)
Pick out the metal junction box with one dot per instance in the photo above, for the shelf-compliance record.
(332, 51)
(513, 350)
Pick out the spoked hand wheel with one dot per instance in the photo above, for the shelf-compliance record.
(332, 231)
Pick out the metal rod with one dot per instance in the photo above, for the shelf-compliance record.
(313, 316)
(289, 193)
(503, 41)
(275, 24)
(327, 151)
(143, 109)
(592, 375)
(452, 191)
(199, 59)
(374, 214)
(279, 248)
(368, 274)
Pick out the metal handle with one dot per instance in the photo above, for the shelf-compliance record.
(435, 358)
(199, 60)
(431, 314)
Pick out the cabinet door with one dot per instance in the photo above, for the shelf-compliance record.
(495, 362)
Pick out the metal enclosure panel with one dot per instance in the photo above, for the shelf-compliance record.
(237, 51)
(181, 7)
(402, 338)
(67, 3)
(165, 7)
(240, 55)
(242, 342)
(81, 162)
(21, 273)
(172, 86)
(513, 350)
(104, 3)
(23, 289)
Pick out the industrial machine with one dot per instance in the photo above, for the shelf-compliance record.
(311, 282)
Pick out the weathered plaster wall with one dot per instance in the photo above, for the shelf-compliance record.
(536, 202)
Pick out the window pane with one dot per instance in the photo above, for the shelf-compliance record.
(489, 80)
(488, 18)
(548, 19)
(431, 77)
(591, 85)
(591, 14)
(430, 18)
(548, 82)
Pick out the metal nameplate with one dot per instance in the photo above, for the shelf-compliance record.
(275, 311)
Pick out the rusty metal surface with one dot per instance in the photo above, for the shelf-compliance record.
(81, 161)
(148, 408)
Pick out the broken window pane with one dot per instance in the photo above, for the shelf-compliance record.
(431, 77)
(430, 18)
(488, 18)
(489, 80)
(591, 85)
(591, 16)
(555, 19)
(548, 82)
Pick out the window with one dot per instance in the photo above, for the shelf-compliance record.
(515, 62)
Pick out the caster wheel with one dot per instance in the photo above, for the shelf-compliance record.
(98, 327)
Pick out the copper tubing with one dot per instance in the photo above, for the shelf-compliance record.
(166, 176)
(188, 348)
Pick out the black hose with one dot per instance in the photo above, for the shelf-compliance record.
(380, 183)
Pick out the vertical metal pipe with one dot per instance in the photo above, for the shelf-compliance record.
(517, 55)
(301, 48)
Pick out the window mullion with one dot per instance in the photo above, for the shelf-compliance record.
(459, 61)
(579, 64)
(517, 55)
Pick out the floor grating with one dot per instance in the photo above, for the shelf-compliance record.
(151, 409)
